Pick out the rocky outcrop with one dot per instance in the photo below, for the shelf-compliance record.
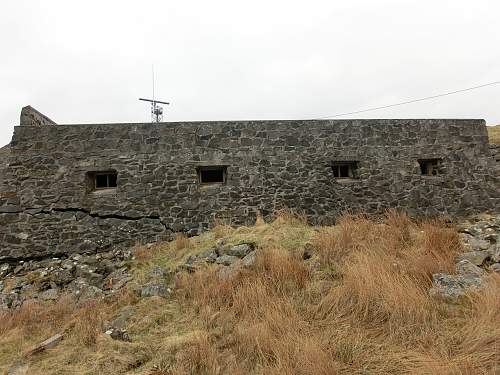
(89, 276)
(230, 257)
(85, 276)
(482, 242)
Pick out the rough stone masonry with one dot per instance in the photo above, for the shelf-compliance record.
(88, 188)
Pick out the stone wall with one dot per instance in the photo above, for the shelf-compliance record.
(48, 208)
(495, 155)
(495, 152)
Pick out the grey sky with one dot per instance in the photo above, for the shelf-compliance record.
(89, 61)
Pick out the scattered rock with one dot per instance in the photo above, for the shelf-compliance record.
(249, 259)
(479, 244)
(92, 277)
(20, 368)
(4, 269)
(308, 251)
(465, 267)
(475, 257)
(186, 267)
(11, 300)
(483, 239)
(219, 246)
(495, 257)
(208, 256)
(241, 250)
(86, 275)
(157, 273)
(117, 279)
(495, 267)
(4, 301)
(151, 290)
(120, 321)
(50, 294)
(226, 260)
(451, 288)
(18, 269)
(119, 334)
(83, 291)
(62, 277)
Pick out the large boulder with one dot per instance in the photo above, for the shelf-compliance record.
(241, 250)
(226, 260)
(155, 289)
(49, 294)
(495, 257)
(119, 334)
(249, 259)
(475, 257)
(465, 267)
(4, 269)
(495, 267)
(451, 288)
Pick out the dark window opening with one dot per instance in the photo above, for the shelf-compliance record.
(430, 167)
(212, 175)
(345, 169)
(102, 180)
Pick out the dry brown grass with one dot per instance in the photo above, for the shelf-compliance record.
(87, 323)
(289, 217)
(80, 323)
(359, 306)
(199, 357)
(494, 134)
(220, 229)
(259, 220)
(374, 316)
(182, 241)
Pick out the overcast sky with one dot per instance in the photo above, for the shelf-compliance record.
(89, 61)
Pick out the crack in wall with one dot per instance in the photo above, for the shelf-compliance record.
(92, 214)
(51, 211)
(110, 216)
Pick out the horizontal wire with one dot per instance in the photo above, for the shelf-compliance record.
(409, 101)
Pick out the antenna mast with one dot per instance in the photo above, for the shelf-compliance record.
(156, 110)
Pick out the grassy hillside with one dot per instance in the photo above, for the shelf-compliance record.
(494, 134)
(358, 305)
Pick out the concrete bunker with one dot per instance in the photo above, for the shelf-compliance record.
(54, 179)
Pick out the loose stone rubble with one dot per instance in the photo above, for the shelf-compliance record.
(119, 334)
(84, 276)
(233, 257)
(88, 276)
(99, 275)
(481, 240)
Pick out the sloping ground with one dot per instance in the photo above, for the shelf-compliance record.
(349, 299)
(494, 134)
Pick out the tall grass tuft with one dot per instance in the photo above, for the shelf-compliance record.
(182, 241)
(289, 217)
(221, 229)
